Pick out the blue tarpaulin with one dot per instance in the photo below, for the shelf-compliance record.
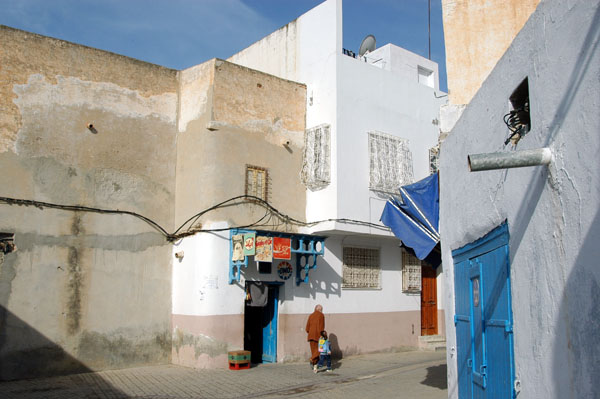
(414, 217)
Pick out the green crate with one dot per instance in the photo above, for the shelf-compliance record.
(239, 356)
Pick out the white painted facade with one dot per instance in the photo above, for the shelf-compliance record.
(354, 97)
(553, 212)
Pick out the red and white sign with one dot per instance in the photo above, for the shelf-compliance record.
(282, 248)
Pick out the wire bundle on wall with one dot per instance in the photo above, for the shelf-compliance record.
(183, 231)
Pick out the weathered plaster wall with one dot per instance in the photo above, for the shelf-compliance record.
(553, 212)
(84, 290)
(477, 33)
(242, 117)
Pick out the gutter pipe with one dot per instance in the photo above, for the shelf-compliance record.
(505, 160)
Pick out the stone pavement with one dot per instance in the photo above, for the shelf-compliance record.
(414, 374)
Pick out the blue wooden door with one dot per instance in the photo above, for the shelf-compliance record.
(477, 361)
(483, 318)
(462, 321)
(270, 326)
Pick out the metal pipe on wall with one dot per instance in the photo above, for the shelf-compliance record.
(505, 160)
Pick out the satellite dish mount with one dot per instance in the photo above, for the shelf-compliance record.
(367, 46)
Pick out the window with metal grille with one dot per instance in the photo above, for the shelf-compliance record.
(315, 173)
(390, 162)
(434, 159)
(411, 273)
(257, 182)
(361, 268)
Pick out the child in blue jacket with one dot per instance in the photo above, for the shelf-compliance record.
(324, 352)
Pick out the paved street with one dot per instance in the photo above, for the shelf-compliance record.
(389, 375)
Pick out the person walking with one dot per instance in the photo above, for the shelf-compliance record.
(324, 353)
(314, 326)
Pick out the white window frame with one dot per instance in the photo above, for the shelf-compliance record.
(390, 162)
(434, 159)
(257, 182)
(316, 168)
(361, 268)
(411, 273)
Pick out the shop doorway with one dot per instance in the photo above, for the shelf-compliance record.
(260, 321)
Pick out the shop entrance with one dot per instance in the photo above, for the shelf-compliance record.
(260, 321)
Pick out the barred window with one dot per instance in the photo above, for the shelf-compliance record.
(411, 273)
(390, 162)
(257, 182)
(434, 159)
(315, 172)
(361, 268)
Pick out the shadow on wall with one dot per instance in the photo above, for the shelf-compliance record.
(37, 357)
(580, 68)
(580, 314)
(336, 351)
(574, 86)
(322, 280)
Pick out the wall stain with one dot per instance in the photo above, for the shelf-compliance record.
(202, 344)
(74, 291)
(130, 243)
(75, 283)
(102, 351)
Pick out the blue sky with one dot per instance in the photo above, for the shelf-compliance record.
(182, 33)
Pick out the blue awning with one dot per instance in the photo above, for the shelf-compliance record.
(414, 217)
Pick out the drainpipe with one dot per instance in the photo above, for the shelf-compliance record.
(505, 160)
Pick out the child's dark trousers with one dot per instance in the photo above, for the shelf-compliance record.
(322, 359)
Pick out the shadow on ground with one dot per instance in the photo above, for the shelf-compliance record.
(436, 377)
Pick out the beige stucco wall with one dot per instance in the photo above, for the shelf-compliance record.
(238, 117)
(90, 290)
(477, 33)
(84, 290)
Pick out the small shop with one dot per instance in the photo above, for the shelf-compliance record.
(278, 257)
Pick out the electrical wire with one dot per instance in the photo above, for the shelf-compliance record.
(517, 121)
(182, 231)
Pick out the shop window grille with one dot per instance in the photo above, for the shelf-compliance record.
(257, 182)
(411, 273)
(390, 162)
(315, 173)
(434, 159)
(361, 268)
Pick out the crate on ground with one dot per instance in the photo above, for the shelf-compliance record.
(239, 366)
(238, 360)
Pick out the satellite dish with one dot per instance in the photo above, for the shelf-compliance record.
(367, 45)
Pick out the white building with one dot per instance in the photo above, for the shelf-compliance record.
(520, 246)
(370, 124)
